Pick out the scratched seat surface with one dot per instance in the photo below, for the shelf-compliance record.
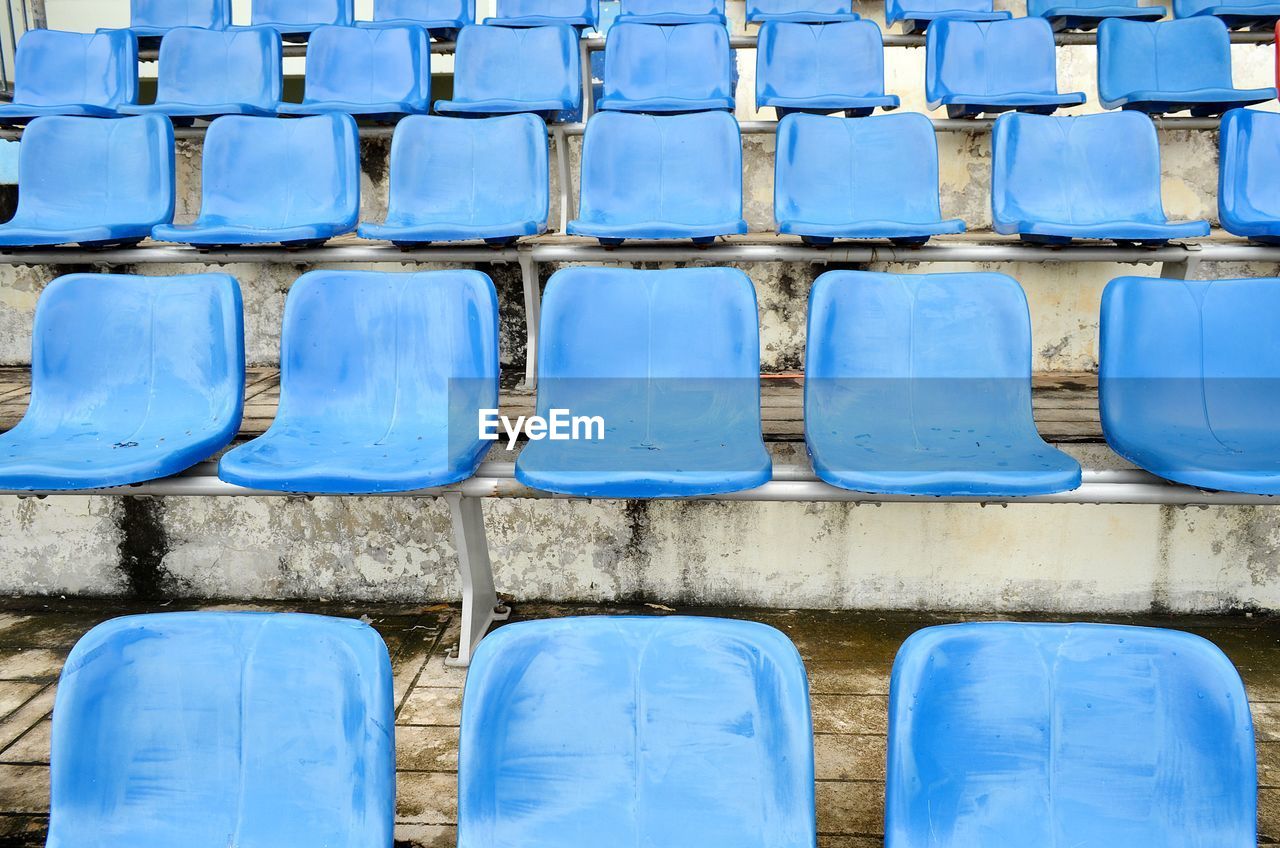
(205, 73)
(379, 73)
(72, 73)
(1089, 735)
(822, 68)
(698, 736)
(209, 729)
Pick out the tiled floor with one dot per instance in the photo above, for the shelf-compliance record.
(848, 656)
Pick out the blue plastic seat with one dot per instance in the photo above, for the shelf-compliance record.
(1188, 380)
(373, 73)
(821, 68)
(800, 11)
(206, 73)
(97, 183)
(1094, 176)
(152, 19)
(672, 12)
(440, 18)
(1238, 14)
(210, 729)
(583, 14)
(267, 180)
(974, 68)
(454, 179)
(920, 384)
(1087, 14)
(132, 379)
(671, 361)
(660, 177)
(295, 20)
(1170, 66)
(1005, 733)
(382, 379)
(1249, 175)
(502, 70)
(71, 73)
(916, 15)
(672, 731)
(873, 178)
(651, 68)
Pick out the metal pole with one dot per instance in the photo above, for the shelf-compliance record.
(532, 317)
(480, 607)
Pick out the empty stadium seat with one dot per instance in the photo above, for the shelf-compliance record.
(382, 379)
(372, 73)
(1006, 733)
(266, 180)
(651, 68)
(672, 11)
(670, 360)
(800, 11)
(1094, 176)
(132, 379)
(974, 68)
(871, 178)
(1249, 175)
(152, 19)
(501, 70)
(1087, 14)
(1170, 66)
(1237, 14)
(672, 731)
(916, 15)
(660, 177)
(295, 20)
(71, 73)
(205, 73)
(94, 182)
(538, 13)
(209, 729)
(837, 67)
(454, 179)
(440, 18)
(1188, 380)
(920, 384)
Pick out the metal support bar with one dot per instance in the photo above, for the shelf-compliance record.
(480, 607)
(1184, 270)
(532, 317)
(584, 58)
(562, 169)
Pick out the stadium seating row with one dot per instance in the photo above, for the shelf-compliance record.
(914, 384)
(261, 725)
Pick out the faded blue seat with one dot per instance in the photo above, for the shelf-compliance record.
(372, 73)
(1238, 14)
(1005, 733)
(1188, 380)
(663, 731)
(210, 729)
(1249, 175)
(920, 384)
(1087, 14)
(382, 379)
(440, 18)
(295, 20)
(267, 180)
(71, 73)
(1094, 176)
(670, 360)
(501, 70)
(1170, 66)
(916, 15)
(994, 66)
(660, 177)
(454, 179)
(132, 379)
(871, 178)
(205, 73)
(152, 19)
(97, 183)
(672, 12)
(824, 68)
(583, 14)
(800, 11)
(651, 68)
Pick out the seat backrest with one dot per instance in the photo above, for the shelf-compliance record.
(1249, 166)
(1086, 169)
(684, 169)
(899, 9)
(88, 172)
(504, 63)
(804, 60)
(990, 57)
(568, 9)
(368, 65)
(1004, 733)
(1190, 356)
(214, 67)
(56, 68)
(120, 348)
(209, 14)
(259, 729)
(424, 10)
(275, 173)
(469, 170)
(699, 736)
(693, 61)
(1162, 56)
(836, 171)
(303, 12)
(763, 9)
(672, 7)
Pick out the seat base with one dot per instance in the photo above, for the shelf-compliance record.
(664, 105)
(1127, 232)
(1244, 17)
(1064, 18)
(614, 234)
(181, 113)
(388, 111)
(916, 22)
(963, 106)
(441, 29)
(1202, 104)
(431, 231)
(851, 106)
(805, 17)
